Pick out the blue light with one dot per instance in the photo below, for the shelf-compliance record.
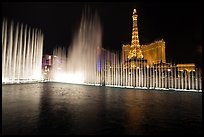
(99, 65)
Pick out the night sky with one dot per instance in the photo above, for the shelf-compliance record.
(178, 23)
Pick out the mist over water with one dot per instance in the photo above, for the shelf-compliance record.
(78, 64)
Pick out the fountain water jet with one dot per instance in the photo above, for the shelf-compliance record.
(21, 53)
(79, 64)
(87, 63)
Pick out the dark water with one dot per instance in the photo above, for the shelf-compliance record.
(56, 108)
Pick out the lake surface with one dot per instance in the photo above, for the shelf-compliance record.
(57, 108)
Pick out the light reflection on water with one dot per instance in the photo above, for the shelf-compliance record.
(57, 108)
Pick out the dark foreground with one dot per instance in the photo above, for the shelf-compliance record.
(56, 108)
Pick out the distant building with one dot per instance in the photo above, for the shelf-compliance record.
(186, 67)
(125, 52)
(154, 52)
(47, 61)
(151, 54)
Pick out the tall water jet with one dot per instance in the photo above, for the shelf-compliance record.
(21, 53)
(87, 63)
(81, 60)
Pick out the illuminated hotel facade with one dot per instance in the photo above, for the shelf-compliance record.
(151, 54)
(147, 62)
(154, 52)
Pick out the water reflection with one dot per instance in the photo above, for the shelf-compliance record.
(20, 108)
(68, 109)
(52, 119)
(57, 108)
(135, 116)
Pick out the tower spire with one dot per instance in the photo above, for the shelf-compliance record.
(135, 45)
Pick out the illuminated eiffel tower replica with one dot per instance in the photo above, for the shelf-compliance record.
(135, 56)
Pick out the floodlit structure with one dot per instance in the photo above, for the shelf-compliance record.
(139, 66)
(151, 53)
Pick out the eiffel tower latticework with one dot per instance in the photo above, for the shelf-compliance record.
(135, 50)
